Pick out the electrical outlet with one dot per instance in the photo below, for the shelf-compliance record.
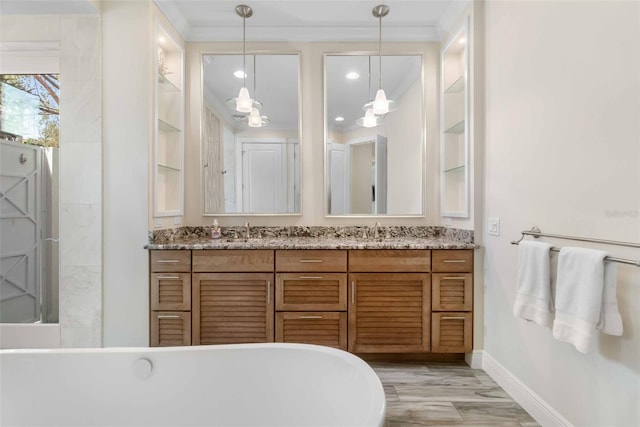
(157, 223)
(493, 226)
(177, 220)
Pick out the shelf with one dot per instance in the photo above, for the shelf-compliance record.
(166, 127)
(168, 168)
(457, 128)
(455, 169)
(457, 86)
(166, 85)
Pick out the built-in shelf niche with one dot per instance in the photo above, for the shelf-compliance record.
(454, 142)
(169, 122)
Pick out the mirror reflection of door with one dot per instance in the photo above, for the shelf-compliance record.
(339, 164)
(263, 184)
(368, 183)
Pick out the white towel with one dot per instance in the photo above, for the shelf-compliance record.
(533, 294)
(585, 298)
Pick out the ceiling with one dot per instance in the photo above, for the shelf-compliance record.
(292, 20)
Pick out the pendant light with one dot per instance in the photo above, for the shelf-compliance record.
(255, 120)
(380, 105)
(369, 120)
(244, 103)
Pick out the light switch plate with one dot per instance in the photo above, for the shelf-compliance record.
(493, 226)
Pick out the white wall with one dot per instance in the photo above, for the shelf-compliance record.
(563, 153)
(80, 174)
(127, 90)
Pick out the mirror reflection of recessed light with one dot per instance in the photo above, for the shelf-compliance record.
(462, 40)
(352, 75)
(240, 74)
(339, 119)
(161, 40)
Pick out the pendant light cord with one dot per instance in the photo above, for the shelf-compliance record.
(380, 54)
(244, 54)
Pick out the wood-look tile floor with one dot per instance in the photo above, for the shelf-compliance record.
(446, 394)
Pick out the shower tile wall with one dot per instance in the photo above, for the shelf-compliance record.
(81, 182)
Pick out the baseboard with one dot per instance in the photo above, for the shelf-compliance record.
(474, 359)
(543, 413)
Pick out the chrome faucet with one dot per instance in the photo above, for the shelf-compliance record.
(376, 235)
(247, 230)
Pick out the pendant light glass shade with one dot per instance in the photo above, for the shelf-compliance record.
(369, 120)
(255, 121)
(380, 104)
(244, 103)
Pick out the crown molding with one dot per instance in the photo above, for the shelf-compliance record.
(327, 33)
(451, 16)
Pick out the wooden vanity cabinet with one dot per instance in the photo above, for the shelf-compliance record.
(311, 297)
(452, 301)
(389, 312)
(170, 298)
(360, 300)
(233, 296)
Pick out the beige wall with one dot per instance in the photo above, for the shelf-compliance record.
(312, 134)
(563, 153)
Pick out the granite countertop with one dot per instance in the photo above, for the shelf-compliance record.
(314, 238)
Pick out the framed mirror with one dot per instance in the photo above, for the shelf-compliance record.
(251, 168)
(374, 168)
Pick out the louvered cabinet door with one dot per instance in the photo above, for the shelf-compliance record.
(389, 312)
(170, 328)
(232, 308)
(452, 332)
(314, 327)
(452, 292)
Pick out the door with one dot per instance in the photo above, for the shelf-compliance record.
(20, 248)
(263, 181)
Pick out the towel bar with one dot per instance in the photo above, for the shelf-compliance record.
(535, 232)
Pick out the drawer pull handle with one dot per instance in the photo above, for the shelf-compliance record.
(453, 278)
(353, 293)
(168, 316)
(453, 318)
(454, 261)
(168, 277)
(310, 277)
(268, 292)
(310, 317)
(311, 260)
(168, 261)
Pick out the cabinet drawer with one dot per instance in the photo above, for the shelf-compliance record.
(174, 261)
(170, 328)
(456, 261)
(321, 328)
(406, 261)
(451, 332)
(311, 260)
(232, 260)
(311, 291)
(451, 292)
(170, 291)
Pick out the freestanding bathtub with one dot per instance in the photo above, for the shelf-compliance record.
(225, 385)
